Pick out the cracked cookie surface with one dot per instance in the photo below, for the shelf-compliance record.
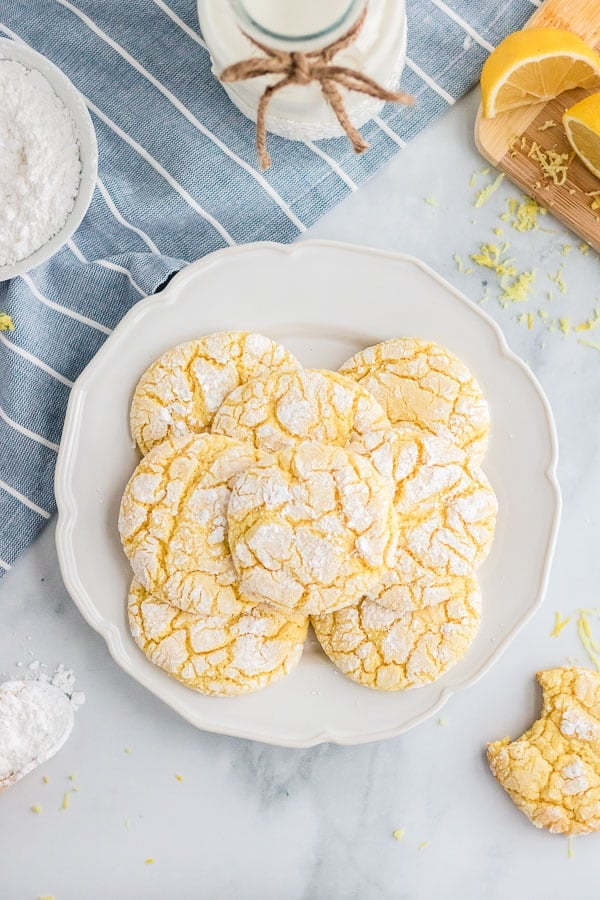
(311, 528)
(393, 651)
(446, 520)
(173, 521)
(280, 409)
(223, 655)
(180, 392)
(552, 772)
(422, 383)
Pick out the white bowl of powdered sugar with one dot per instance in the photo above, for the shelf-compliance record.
(48, 159)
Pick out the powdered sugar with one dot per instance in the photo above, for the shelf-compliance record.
(40, 166)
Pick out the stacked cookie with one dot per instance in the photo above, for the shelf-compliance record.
(269, 495)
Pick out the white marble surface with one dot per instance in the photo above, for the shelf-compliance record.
(250, 821)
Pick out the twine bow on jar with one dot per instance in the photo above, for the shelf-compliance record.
(303, 68)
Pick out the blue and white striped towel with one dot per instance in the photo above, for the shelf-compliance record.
(178, 179)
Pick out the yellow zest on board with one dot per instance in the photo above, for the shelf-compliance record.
(485, 193)
(179, 777)
(564, 325)
(489, 256)
(475, 175)
(592, 344)
(442, 722)
(559, 624)
(584, 632)
(399, 833)
(499, 231)
(46, 897)
(570, 847)
(36, 809)
(595, 195)
(149, 861)
(71, 777)
(127, 750)
(469, 271)
(554, 165)
(566, 249)
(65, 803)
(45, 779)
(542, 313)
(431, 201)
(458, 261)
(525, 213)
(518, 290)
(549, 123)
(6, 323)
(589, 324)
(423, 844)
(584, 248)
(536, 64)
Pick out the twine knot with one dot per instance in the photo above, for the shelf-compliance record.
(303, 68)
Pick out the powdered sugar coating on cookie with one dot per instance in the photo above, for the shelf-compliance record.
(312, 528)
(280, 409)
(422, 383)
(552, 772)
(394, 651)
(222, 655)
(173, 521)
(180, 393)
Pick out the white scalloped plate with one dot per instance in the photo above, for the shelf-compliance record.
(324, 301)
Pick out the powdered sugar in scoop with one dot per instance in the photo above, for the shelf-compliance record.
(40, 167)
(36, 718)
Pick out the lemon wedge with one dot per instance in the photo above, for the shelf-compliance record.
(536, 64)
(582, 124)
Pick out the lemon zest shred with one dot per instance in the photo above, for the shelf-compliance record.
(559, 624)
(459, 263)
(591, 323)
(525, 214)
(36, 809)
(477, 173)
(423, 844)
(558, 280)
(485, 193)
(549, 123)
(149, 861)
(179, 777)
(490, 258)
(46, 897)
(584, 248)
(564, 325)
(442, 722)
(499, 231)
(399, 833)
(570, 847)
(543, 314)
(554, 165)
(566, 249)
(127, 750)
(65, 803)
(6, 322)
(518, 291)
(595, 195)
(585, 636)
(45, 779)
(430, 201)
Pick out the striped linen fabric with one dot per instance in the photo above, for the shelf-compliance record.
(178, 178)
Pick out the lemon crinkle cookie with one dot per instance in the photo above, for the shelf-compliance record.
(311, 528)
(183, 389)
(224, 655)
(173, 521)
(421, 382)
(279, 409)
(552, 772)
(393, 651)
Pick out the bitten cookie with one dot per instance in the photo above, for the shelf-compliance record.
(312, 528)
(423, 383)
(393, 651)
(223, 655)
(278, 410)
(173, 521)
(180, 392)
(552, 772)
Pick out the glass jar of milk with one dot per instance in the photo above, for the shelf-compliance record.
(300, 111)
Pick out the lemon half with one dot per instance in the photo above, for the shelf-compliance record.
(582, 124)
(536, 64)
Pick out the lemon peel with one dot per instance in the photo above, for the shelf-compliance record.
(489, 257)
(584, 248)
(549, 123)
(519, 290)
(590, 323)
(36, 809)
(475, 175)
(430, 201)
(399, 833)
(458, 261)
(554, 165)
(559, 624)
(564, 325)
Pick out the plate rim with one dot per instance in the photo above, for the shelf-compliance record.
(67, 509)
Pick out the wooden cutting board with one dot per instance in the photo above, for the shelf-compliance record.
(495, 138)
